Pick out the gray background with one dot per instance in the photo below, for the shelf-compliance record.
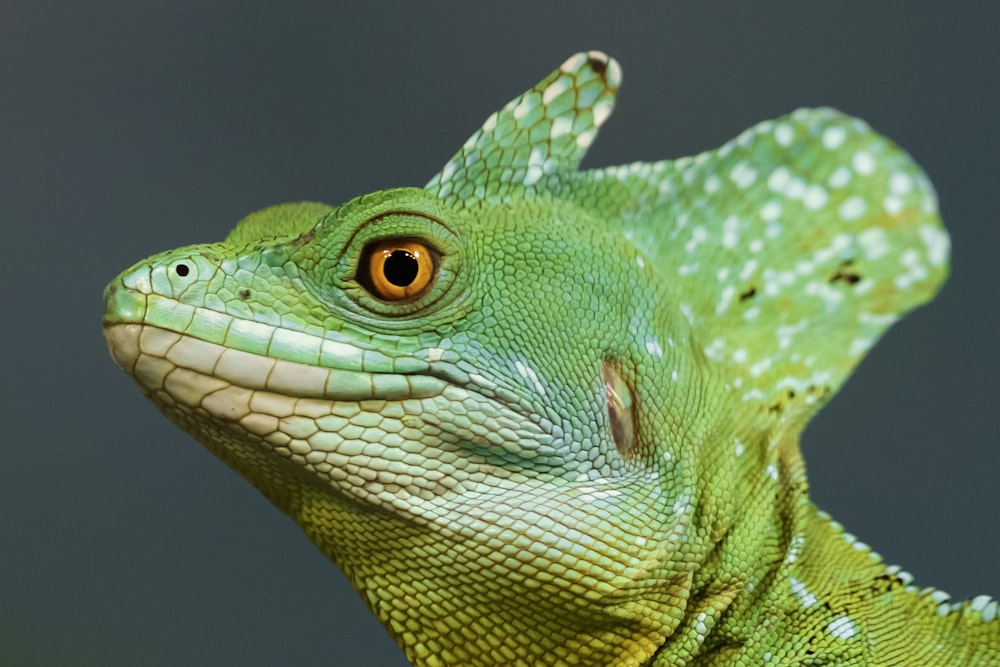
(131, 127)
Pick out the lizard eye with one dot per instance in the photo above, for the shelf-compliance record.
(397, 269)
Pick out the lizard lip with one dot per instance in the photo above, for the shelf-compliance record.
(189, 369)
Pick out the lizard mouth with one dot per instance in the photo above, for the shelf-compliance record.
(233, 385)
(154, 356)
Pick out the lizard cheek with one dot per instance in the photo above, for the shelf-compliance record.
(621, 409)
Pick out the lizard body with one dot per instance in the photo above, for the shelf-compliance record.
(548, 416)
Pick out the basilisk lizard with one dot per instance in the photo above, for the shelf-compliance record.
(541, 415)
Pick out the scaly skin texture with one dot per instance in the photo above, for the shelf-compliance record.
(559, 423)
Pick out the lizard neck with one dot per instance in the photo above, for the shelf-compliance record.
(447, 596)
(812, 592)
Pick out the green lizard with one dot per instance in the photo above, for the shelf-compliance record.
(547, 416)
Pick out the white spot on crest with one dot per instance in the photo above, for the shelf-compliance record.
(815, 197)
(760, 367)
(730, 235)
(665, 188)
(560, 126)
(601, 112)
(795, 189)
(726, 298)
(852, 208)
(778, 178)
(874, 242)
(772, 472)
(841, 242)
(712, 184)
(523, 107)
(699, 234)
(784, 134)
(900, 183)
(794, 549)
(824, 291)
(585, 138)
(859, 346)
(892, 204)
(937, 243)
(803, 594)
(833, 137)
(653, 347)
(743, 175)
(714, 349)
(842, 627)
(771, 210)
(448, 171)
(533, 173)
(640, 261)
(748, 269)
(840, 177)
(574, 62)
(555, 89)
(785, 333)
(863, 162)
(877, 319)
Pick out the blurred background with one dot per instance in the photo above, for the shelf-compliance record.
(130, 127)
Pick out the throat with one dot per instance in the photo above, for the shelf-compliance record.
(442, 593)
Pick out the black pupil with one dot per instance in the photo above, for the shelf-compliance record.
(182, 270)
(400, 268)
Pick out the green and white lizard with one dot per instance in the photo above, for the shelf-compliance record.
(546, 416)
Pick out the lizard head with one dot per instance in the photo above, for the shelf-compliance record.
(466, 378)
(492, 393)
